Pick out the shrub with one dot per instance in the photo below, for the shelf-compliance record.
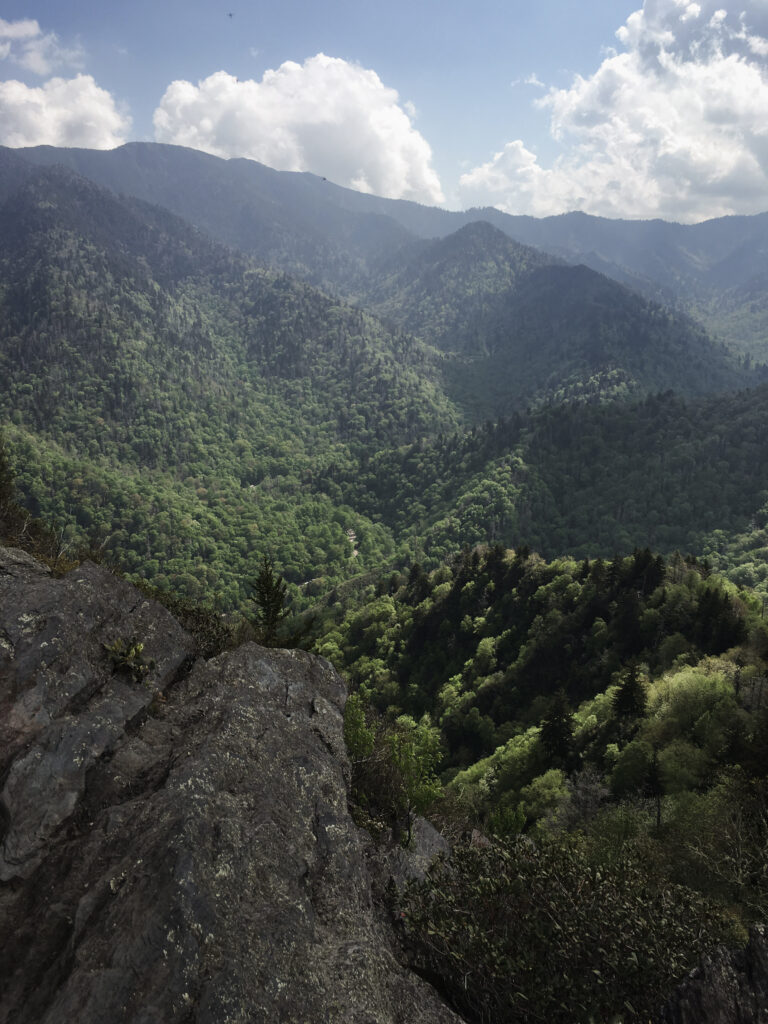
(515, 931)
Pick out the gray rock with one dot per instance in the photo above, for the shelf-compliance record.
(394, 865)
(200, 864)
(62, 706)
(727, 988)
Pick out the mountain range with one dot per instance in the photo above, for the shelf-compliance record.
(495, 471)
(333, 236)
(178, 390)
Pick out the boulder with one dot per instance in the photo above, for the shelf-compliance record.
(62, 705)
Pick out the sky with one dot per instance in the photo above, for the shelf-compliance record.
(610, 107)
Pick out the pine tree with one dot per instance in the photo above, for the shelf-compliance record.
(630, 699)
(557, 729)
(269, 598)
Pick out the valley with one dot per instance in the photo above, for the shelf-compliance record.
(239, 409)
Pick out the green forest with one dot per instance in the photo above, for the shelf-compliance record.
(606, 723)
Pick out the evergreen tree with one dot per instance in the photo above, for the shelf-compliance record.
(269, 598)
(557, 729)
(630, 700)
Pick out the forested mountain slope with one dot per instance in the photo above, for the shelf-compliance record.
(283, 219)
(170, 401)
(613, 711)
(523, 328)
(329, 234)
(170, 398)
(588, 480)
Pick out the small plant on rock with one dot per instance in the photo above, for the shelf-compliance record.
(126, 656)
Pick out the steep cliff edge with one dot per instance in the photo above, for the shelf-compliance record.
(183, 858)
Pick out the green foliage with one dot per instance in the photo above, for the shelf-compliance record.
(202, 409)
(486, 646)
(126, 657)
(556, 733)
(394, 767)
(7, 487)
(269, 599)
(488, 925)
(415, 753)
(521, 329)
(360, 738)
(195, 399)
(575, 696)
(630, 699)
(19, 528)
(718, 839)
(589, 480)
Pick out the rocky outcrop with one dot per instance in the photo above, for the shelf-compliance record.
(62, 708)
(727, 988)
(176, 842)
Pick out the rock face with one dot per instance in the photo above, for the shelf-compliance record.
(727, 987)
(188, 858)
(61, 707)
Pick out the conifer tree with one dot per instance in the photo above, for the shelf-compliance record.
(269, 598)
(630, 700)
(557, 729)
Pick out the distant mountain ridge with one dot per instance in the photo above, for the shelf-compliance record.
(531, 325)
(524, 327)
(327, 233)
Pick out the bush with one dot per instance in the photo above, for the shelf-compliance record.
(394, 767)
(514, 931)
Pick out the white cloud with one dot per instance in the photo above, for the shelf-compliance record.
(61, 112)
(25, 44)
(326, 115)
(675, 126)
(28, 28)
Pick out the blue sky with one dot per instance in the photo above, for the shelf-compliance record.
(533, 108)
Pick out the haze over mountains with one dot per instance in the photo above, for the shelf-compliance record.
(330, 235)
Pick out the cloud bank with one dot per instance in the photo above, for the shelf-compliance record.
(676, 126)
(61, 112)
(326, 115)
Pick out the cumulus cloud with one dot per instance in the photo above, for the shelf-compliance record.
(326, 115)
(61, 112)
(674, 126)
(24, 43)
